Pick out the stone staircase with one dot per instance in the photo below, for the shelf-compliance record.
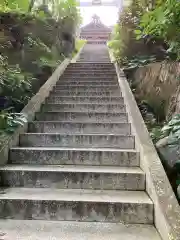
(76, 174)
(95, 53)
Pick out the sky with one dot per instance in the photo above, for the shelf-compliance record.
(108, 15)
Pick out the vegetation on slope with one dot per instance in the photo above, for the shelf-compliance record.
(148, 31)
(35, 36)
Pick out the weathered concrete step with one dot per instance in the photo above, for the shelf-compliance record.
(77, 156)
(76, 205)
(77, 140)
(69, 127)
(95, 60)
(103, 93)
(86, 83)
(92, 77)
(96, 57)
(95, 67)
(51, 230)
(87, 99)
(89, 74)
(96, 88)
(92, 65)
(74, 177)
(92, 107)
(90, 71)
(83, 117)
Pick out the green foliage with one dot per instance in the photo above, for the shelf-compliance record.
(78, 45)
(138, 61)
(172, 129)
(156, 133)
(9, 121)
(15, 86)
(17, 5)
(147, 28)
(31, 45)
(47, 62)
(163, 22)
(123, 40)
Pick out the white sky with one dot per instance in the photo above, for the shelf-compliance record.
(108, 15)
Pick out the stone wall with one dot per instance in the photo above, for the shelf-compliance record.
(159, 85)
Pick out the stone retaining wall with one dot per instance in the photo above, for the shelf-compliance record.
(159, 83)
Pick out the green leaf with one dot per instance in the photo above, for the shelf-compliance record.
(137, 32)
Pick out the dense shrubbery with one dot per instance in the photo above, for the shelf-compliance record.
(163, 23)
(35, 36)
(123, 41)
(147, 29)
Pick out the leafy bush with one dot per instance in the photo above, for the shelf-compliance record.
(123, 40)
(15, 87)
(138, 61)
(172, 129)
(35, 36)
(156, 133)
(10, 121)
(163, 23)
(147, 29)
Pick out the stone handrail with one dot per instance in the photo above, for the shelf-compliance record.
(167, 209)
(30, 109)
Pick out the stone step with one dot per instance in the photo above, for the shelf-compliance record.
(93, 78)
(77, 156)
(83, 117)
(51, 230)
(98, 67)
(90, 71)
(89, 74)
(93, 65)
(115, 93)
(86, 99)
(74, 177)
(90, 61)
(95, 59)
(93, 108)
(78, 140)
(69, 127)
(87, 83)
(96, 56)
(76, 205)
(87, 66)
(85, 89)
(95, 69)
